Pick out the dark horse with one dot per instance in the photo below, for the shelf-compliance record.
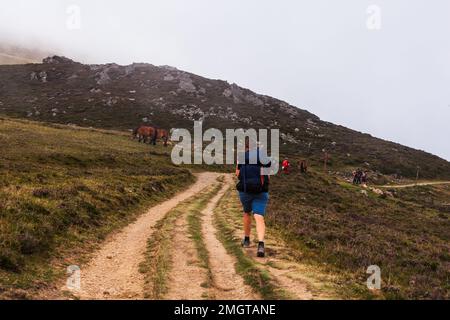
(150, 135)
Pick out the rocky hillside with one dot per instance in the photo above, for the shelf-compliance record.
(121, 97)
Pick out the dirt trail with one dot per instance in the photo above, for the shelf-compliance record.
(291, 278)
(227, 284)
(433, 183)
(296, 280)
(188, 279)
(186, 275)
(113, 272)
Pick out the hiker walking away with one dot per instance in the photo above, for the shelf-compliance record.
(303, 166)
(285, 165)
(364, 177)
(253, 189)
(358, 176)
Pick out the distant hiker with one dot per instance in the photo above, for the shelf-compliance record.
(364, 177)
(285, 165)
(303, 166)
(357, 176)
(359, 172)
(253, 189)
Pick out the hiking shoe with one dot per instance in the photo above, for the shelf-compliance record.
(261, 251)
(246, 242)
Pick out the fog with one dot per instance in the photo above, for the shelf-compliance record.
(382, 69)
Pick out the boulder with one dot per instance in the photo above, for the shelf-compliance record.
(57, 60)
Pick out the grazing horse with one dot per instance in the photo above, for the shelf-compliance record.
(143, 133)
(147, 134)
(160, 134)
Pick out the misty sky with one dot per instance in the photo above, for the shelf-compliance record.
(319, 55)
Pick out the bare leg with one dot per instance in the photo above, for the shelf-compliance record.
(247, 224)
(260, 227)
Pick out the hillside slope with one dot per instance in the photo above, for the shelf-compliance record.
(122, 97)
(64, 189)
(348, 228)
(12, 54)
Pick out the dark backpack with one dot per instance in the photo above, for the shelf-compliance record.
(250, 178)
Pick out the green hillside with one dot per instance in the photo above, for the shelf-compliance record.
(406, 232)
(63, 189)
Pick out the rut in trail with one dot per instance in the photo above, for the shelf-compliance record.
(113, 272)
(187, 279)
(186, 276)
(227, 284)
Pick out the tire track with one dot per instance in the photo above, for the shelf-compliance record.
(113, 272)
(227, 284)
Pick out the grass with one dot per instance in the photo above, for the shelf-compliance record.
(62, 190)
(160, 247)
(334, 228)
(157, 263)
(254, 276)
(434, 197)
(194, 220)
(333, 223)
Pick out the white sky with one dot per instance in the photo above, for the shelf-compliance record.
(393, 83)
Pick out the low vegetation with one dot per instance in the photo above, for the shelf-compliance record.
(194, 220)
(63, 189)
(224, 217)
(435, 197)
(407, 235)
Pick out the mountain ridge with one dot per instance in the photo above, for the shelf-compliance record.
(13, 54)
(112, 96)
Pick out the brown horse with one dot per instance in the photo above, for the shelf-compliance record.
(161, 134)
(142, 133)
(151, 135)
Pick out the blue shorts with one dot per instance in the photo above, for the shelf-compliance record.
(255, 203)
